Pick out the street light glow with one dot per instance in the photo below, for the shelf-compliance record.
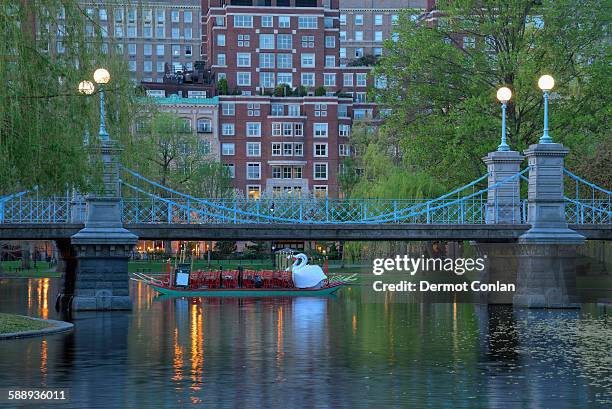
(546, 82)
(101, 76)
(504, 94)
(86, 87)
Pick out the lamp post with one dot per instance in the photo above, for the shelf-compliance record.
(102, 76)
(546, 83)
(503, 95)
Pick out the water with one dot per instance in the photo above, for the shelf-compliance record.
(339, 352)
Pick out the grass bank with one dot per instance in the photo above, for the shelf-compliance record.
(18, 323)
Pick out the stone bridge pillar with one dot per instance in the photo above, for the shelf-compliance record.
(546, 271)
(103, 246)
(503, 202)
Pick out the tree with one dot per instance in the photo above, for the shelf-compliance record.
(222, 87)
(43, 118)
(441, 81)
(225, 248)
(320, 91)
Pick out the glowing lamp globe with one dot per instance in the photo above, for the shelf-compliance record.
(504, 94)
(546, 82)
(86, 87)
(101, 76)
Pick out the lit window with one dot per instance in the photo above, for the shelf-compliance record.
(320, 191)
(253, 191)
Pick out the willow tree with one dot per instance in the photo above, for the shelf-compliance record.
(441, 80)
(47, 48)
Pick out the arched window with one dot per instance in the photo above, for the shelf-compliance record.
(204, 125)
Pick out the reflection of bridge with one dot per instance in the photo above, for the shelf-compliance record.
(560, 211)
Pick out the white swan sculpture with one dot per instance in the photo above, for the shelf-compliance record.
(304, 275)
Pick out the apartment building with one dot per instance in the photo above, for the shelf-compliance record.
(366, 24)
(156, 37)
(286, 123)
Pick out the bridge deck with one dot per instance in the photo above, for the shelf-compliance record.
(352, 232)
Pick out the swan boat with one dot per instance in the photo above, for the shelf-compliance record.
(300, 279)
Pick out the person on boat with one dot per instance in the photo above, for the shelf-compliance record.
(304, 275)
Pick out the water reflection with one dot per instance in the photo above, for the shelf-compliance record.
(311, 352)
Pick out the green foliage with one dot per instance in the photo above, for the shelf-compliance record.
(364, 61)
(283, 90)
(43, 118)
(222, 87)
(225, 248)
(256, 250)
(320, 91)
(443, 96)
(300, 91)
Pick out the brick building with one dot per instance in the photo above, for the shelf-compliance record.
(286, 124)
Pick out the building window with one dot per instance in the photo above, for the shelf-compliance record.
(320, 150)
(187, 16)
(267, 21)
(358, 19)
(243, 21)
(284, 42)
(277, 110)
(266, 60)
(377, 51)
(342, 19)
(287, 129)
(342, 53)
(284, 78)
(244, 40)
(243, 79)
(358, 35)
(298, 149)
(160, 50)
(329, 80)
(254, 129)
(221, 40)
(284, 21)
(469, 42)
(175, 33)
(253, 170)
(298, 129)
(287, 172)
(231, 170)
(160, 66)
(253, 149)
(254, 109)
(132, 49)
(358, 52)
(266, 41)
(320, 130)
(362, 79)
(342, 111)
(276, 149)
(344, 130)
(308, 79)
(221, 59)
(394, 19)
(320, 191)
(160, 31)
(378, 36)
(284, 60)
(276, 129)
(253, 191)
(287, 149)
(187, 50)
(293, 110)
(148, 49)
(307, 22)
(148, 66)
(228, 109)
(176, 50)
(330, 42)
(344, 150)
(174, 15)
(244, 59)
(330, 61)
(320, 109)
(378, 20)
(297, 173)
(308, 60)
(266, 79)
(228, 129)
(342, 35)
(204, 125)
(276, 172)
(320, 171)
(188, 33)
(228, 149)
(347, 79)
(360, 97)
(307, 41)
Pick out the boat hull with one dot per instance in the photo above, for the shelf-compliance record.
(247, 292)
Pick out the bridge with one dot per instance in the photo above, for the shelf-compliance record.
(542, 207)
